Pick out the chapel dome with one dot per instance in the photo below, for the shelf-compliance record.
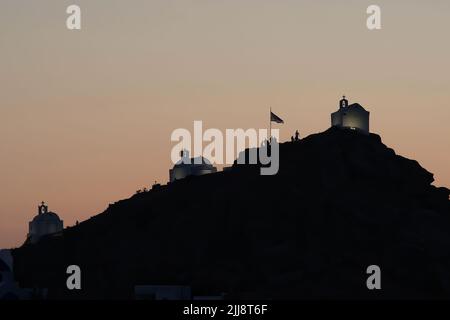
(47, 217)
(187, 166)
(199, 161)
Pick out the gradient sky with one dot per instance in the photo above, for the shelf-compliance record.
(87, 115)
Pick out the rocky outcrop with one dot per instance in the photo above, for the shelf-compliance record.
(341, 201)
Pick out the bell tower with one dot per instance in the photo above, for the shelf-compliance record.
(43, 208)
(343, 103)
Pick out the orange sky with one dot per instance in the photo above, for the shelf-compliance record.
(87, 115)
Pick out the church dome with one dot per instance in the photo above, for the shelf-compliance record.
(198, 161)
(356, 106)
(47, 217)
(187, 166)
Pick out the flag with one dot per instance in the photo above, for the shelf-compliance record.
(275, 118)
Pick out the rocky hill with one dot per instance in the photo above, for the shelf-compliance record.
(341, 201)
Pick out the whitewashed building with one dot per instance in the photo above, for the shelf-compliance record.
(9, 289)
(44, 223)
(352, 116)
(190, 167)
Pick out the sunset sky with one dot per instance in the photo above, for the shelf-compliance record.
(86, 116)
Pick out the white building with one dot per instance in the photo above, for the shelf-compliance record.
(190, 167)
(352, 116)
(44, 223)
(9, 289)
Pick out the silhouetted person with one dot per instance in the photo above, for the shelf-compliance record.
(292, 138)
(297, 135)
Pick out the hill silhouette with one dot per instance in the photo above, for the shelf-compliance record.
(341, 201)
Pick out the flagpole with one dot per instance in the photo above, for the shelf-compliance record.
(270, 125)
